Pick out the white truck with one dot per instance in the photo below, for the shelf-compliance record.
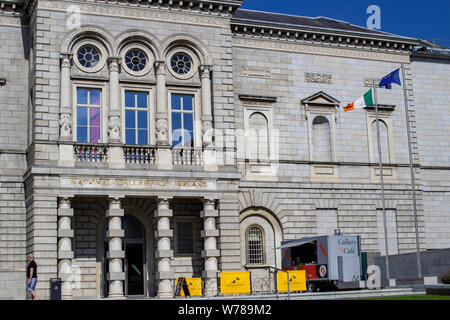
(330, 261)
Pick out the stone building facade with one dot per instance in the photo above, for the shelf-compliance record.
(141, 141)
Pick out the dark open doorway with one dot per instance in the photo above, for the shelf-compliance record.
(134, 262)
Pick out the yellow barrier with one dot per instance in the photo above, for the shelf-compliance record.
(235, 282)
(297, 280)
(194, 285)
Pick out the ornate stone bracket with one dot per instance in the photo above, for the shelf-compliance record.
(208, 134)
(65, 124)
(114, 128)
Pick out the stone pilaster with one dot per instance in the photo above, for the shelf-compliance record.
(164, 254)
(65, 114)
(65, 252)
(209, 154)
(210, 252)
(116, 254)
(164, 153)
(65, 110)
(114, 101)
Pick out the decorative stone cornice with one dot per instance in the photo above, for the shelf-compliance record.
(320, 49)
(251, 100)
(335, 38)
(202, 12)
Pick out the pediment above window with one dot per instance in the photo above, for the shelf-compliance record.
(320, 103)
(321, 99)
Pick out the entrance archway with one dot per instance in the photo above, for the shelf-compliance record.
(135, 258)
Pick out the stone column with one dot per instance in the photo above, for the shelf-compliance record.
(209, 154)
(210, 252)
(116, 254)
(65, 252)
(65, 113)
(164, 154)
(115, 156)
(164, 254)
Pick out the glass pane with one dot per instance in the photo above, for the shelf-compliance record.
(176, 102)
(82, 96)
(187, 102)
(176, 129)
(130, 121)
(188, 131)
(95, 117)
(143, 137)
(81, 134)
(142, 120)
(95, 134)
(129, 99)
(130, 136)
(95, 97)
(142, 100)
(82, 116)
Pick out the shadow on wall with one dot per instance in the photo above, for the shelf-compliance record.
(435, 263)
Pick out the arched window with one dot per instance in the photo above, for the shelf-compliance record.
(321, 136)
(258, 137)
(384, 139)
(255, 245)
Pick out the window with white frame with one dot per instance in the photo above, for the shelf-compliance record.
(136, 118)
(88, 102)
(185, 238)
(255, 245)
(182, 120)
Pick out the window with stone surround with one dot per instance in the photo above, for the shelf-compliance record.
(321, 113)
(137, 117)
(88, 118)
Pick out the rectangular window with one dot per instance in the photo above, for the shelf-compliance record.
(88, 115)
(185, 240)
(136, 118)
(182, 120)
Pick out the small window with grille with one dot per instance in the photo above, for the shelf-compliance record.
(185, 239)
(255, 245)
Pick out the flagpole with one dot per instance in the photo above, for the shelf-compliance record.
(411, 167)
(383, 201)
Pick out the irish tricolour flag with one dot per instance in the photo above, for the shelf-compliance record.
(365, 101)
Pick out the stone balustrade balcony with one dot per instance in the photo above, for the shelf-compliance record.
(119, 155)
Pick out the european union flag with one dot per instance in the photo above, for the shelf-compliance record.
(393, 77)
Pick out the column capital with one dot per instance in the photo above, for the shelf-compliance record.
(66, 59)
(115, 207)
(160, 67)
(113, 63)
(65, 208)
(205, 70)
(164, 201)
(208, 201)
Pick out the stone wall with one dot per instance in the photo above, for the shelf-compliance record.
(431, 90)
(14, 55)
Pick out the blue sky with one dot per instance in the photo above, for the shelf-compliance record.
(414, 18)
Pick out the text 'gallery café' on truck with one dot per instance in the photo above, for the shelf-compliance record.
(142, 141)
